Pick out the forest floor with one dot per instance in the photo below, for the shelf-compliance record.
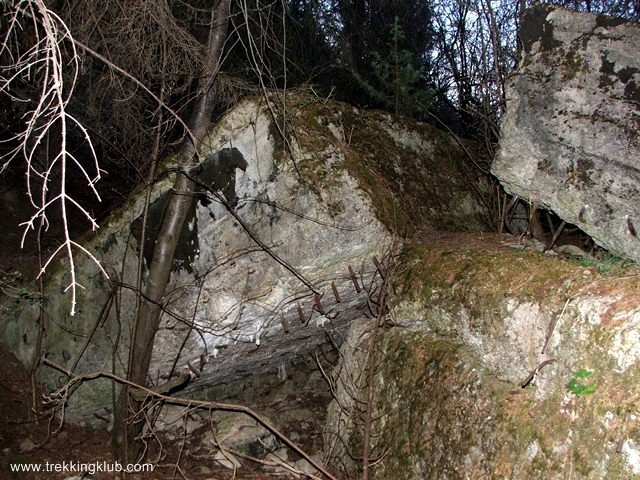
(41, 442)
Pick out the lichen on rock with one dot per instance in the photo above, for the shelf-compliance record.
(569, 137)
(475, 378)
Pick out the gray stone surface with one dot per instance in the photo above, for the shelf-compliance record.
(570, 136)
(356, 179)
(475, 381)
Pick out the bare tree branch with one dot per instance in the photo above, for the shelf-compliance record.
(75, 380)
(47, 64)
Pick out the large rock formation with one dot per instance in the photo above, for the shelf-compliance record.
(512, 364)
(503, 364)
(569, 137)
(489, 362)
(323, 205)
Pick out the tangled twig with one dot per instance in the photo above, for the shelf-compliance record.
(63, 393)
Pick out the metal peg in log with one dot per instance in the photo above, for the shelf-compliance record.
(285, 325)
(354, 279)
(316, 298)
(335, 291)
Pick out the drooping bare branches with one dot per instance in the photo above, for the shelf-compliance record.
(44, 61)
(147, 40)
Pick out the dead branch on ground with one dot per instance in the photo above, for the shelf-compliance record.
(61, 395)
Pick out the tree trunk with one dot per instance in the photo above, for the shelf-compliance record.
(126, 425)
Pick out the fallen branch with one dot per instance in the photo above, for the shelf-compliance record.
(77, 379)
(534, 372)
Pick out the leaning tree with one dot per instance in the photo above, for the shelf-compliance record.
(155, 66)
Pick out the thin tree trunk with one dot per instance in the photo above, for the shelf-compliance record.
(126, 428)
(495, 43)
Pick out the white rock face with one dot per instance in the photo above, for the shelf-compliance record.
(257, 293)
(569, 138)
(241, 296)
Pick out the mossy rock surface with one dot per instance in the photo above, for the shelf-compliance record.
(482, 375)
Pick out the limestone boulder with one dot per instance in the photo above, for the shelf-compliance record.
(569, 137)
(503, 364)
(272, 278)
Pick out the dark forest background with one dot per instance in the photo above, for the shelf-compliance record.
(440, 61)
